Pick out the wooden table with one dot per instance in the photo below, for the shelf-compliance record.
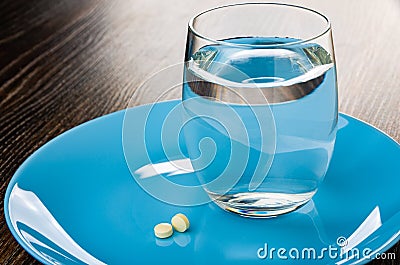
(64, 62)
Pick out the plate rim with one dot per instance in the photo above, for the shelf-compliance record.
(14, 177)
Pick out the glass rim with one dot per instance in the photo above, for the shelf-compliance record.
(222, 42)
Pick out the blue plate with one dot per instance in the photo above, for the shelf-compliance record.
(74, 201)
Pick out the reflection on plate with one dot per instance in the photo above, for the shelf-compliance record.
(74, 201)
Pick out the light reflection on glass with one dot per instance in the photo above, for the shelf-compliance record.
(312, 212)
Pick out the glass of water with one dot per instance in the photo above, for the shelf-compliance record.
(260, 105)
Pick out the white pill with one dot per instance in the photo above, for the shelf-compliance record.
(163, 230)
(180, 222)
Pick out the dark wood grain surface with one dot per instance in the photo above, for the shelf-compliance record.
(64, 62)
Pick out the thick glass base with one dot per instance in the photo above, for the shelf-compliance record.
(261, 204)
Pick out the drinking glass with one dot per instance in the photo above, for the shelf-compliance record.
(260, 105)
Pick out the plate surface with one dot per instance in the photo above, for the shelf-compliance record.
(74, 201)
